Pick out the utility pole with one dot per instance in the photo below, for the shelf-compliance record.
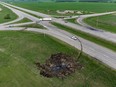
(79, 55)
(97, 21)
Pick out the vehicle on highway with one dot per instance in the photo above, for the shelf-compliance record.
(10, 26)
(74, 37)
(46, 19)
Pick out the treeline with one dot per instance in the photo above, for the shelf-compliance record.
(61, 0)
(65, 0)
(93, 0)
(85, 0)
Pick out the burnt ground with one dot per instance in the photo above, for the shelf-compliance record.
(58, 65)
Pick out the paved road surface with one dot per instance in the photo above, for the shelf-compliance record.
(102, 34)
(103, 54)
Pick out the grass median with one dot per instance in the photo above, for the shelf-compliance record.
(34, 25)
(73, 20)
(24, 20)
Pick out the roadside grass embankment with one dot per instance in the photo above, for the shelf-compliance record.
(20, 49)
(106, 22)
(87, 36)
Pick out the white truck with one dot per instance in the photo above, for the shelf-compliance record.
(46, 19)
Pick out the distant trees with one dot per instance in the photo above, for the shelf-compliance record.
(88, 0)
(21, 0)
(94, 0)
(65, 0)
(28, 0)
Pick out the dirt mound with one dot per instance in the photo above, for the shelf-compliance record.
(58, 65)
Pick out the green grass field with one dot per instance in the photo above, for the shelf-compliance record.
(51, 7)
(4, 12)
(19, 50)
(106, 22)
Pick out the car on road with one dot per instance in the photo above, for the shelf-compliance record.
(74, 37)
(10, 26)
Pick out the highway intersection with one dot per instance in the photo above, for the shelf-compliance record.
(102, 54)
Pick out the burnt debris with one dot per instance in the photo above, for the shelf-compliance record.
(58, 65)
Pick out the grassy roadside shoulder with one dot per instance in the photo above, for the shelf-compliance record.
(26, 47)
(87, 36)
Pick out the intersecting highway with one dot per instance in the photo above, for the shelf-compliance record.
(103, 54)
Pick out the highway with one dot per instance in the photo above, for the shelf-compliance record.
(103, 54)
(102, 34)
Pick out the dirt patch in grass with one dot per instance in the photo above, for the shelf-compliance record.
(59, 65)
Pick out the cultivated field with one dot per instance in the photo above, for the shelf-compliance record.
(19, 50)
(52, 7)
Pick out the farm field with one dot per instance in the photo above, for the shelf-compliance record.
(19, 50)
(4, 12)
(52, 7)
(106, 22)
